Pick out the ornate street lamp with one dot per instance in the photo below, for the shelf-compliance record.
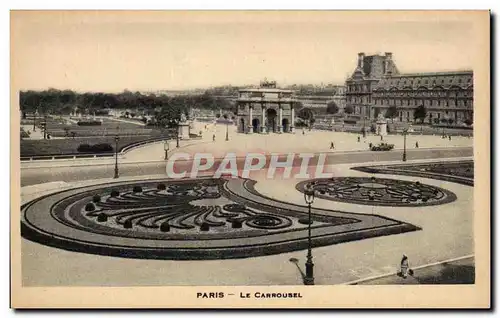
(405, 132)
(227, 130)
(34, 120)
(166, 147)
(116, 157)
(176, 123)
(309, 198)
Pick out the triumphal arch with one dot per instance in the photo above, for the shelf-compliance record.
(266, 109)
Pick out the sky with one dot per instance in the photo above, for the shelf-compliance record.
(148, 51)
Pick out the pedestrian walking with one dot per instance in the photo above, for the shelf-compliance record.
(359, 138)
(449, 137)
(381, 138)
(416, 144)
(332, 145)
(213, 137)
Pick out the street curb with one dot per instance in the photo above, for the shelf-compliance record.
(91, 162)
(354, 282)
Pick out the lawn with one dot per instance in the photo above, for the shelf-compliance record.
(68, 146)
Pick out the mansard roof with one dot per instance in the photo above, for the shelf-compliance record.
(437, 80)
(374, 68)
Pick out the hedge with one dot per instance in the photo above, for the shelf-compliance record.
(97, 148)
(89, 123)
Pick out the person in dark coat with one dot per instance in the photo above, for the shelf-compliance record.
(405, 266)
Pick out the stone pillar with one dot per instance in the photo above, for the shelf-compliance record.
(292, 127)
(280, 124)
(263, 125)
(250, 123)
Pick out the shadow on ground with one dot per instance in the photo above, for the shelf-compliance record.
(450, 274)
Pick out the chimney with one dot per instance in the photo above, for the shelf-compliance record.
(361, 57)
(388, 58)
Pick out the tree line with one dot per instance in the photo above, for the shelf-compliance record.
(64, 102)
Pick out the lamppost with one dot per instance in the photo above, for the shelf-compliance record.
(116, 157)
(34, 120)
(227, 130)
(177, 124)
(405, 132)
(44, 124)
(166, 147)
(309, 198)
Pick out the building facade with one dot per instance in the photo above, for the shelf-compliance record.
(265, 109)
(320, 102)
(377, 85)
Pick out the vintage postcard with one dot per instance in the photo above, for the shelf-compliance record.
(250, 159)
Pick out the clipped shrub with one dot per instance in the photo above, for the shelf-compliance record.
(102, 217)
(204, 227)
(305, 220)
(161, 186)
(103, 147)
(89, 123)
(96, 198)
(127, 224)
(236, 224)
(114, 193)
(165, 227)
(84, 148)
(137, 189)
(89, 207)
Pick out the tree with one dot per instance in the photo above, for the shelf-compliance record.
(391, 112)
(450, 121)
(349, 109)
(420, 113)
(332, 108)
(306, 114)
(468, 122)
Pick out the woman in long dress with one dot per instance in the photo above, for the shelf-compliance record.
(405, 265)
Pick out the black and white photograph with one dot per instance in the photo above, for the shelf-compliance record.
(253, 158)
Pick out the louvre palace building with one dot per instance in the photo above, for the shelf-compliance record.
(376, 85)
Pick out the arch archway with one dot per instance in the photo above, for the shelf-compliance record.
(271, 120)
(242, 125)
(286, 125)
(256, 125)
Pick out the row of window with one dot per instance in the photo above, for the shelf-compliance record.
(425, 93)
(427, 102)
(418, 81)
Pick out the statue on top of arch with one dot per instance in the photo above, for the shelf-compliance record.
(267, 84)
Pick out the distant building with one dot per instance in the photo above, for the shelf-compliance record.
(376, 84)
(265, 109)
(319, 101)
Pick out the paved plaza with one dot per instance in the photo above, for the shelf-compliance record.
(433, 223)
(311, 141)
(445, 232)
